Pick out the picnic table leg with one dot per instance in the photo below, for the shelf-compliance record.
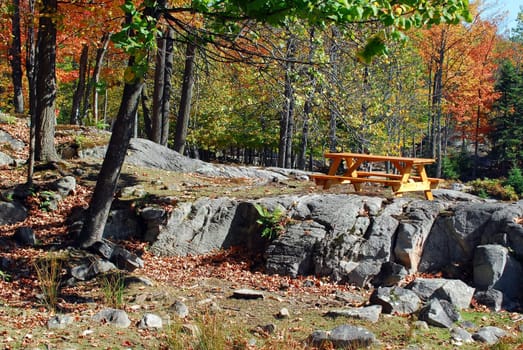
(424, 178)
(352, 171)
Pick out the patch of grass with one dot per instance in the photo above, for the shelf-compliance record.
(113, 287)
(48, 271)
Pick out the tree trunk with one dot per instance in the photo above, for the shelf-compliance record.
(286, 122)
(307, 108)
(30, 61)
(167, 85)
(15, 52)
(46, 83)
(146, 111)
(158, 91)
(106, 184)
(182, 122)
(333, 113)
(95, 79)
(80, 88)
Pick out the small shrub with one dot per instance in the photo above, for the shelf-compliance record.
(515, 180)
(113, 287)
(48, 271)
(450, 168)
(494, 188)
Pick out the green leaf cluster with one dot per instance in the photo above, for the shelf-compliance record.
(137, 37)
(271, 222)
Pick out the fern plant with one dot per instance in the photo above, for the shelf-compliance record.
(272, 223)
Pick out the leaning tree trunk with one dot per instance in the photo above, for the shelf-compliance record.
(182, 122)
(30, 61)
(80, 88)
(46, 82)
(102, 197)
(15, 52)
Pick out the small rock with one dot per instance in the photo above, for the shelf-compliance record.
(351, 299)
(139, 280)
(439, 313)
(115, 317)
(283, 313)
(64, 186)
(180, 309)
(396, 300)
(489, 335)
(461, 335)
(59, 322)
(308, 284)
(369, 313)
(344, 336)
(491, 298)
(247, 294)
(152, 213)
(268, 328)
(25, 236)
(150, 321)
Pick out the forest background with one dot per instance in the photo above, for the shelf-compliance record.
(281, 95)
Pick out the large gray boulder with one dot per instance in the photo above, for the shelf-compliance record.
(414, 230)
(454, 236)
(495, 267)
(292, 253)
(396, 300)
(196, 228)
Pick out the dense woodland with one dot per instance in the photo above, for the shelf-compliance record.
(268, 83)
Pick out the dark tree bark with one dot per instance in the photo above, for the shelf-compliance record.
(167, 85)
(15, 53)
(102, 198)
(46, 82)
(146, 111)
(80, 87)
(158, 91)
(182, 122)
(287, 113)
(30, 62)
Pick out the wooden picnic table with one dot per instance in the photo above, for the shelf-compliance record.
(411, 175)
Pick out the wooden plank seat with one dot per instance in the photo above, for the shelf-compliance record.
(320, 179)
(434, 181)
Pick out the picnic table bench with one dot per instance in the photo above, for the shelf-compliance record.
(411, 175)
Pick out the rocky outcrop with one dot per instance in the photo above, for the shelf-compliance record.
(356, 239)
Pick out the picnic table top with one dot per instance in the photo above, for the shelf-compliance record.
(377, 158)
